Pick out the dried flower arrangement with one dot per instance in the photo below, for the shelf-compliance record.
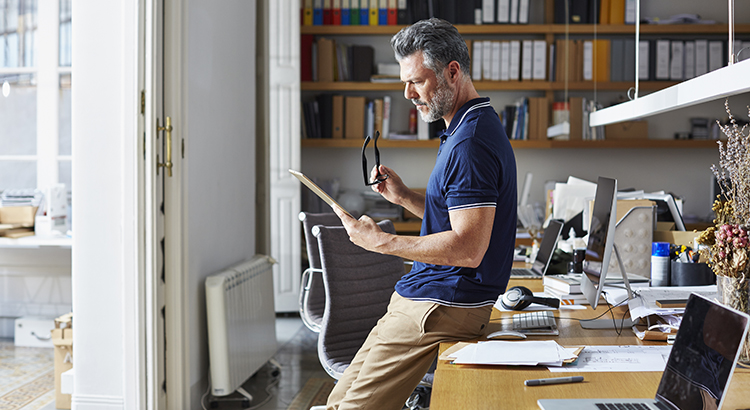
(726, 243)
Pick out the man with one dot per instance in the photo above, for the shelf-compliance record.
(464, 252)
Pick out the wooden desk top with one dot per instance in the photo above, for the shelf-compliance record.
(469, 387)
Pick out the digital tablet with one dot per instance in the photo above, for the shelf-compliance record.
(316, 189)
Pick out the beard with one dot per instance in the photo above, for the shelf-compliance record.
(439, 105)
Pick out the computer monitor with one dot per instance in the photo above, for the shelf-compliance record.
(601, 242)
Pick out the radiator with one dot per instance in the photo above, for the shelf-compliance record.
(241, 323)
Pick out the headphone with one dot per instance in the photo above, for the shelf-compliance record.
(519, 298)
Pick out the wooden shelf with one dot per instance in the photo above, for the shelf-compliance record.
(492, 29)
(490, 86)
(532, 144)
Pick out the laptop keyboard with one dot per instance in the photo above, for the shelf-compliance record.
(625, 406)
(534, 320)
(520, 273)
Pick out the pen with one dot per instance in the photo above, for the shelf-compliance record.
(554, 380)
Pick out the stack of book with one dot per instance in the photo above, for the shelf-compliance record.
(566, 287)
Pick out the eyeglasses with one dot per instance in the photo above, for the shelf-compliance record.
(379, 177)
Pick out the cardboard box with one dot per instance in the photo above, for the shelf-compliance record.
(628, 130)
(676, 237)
(23, 215)
(62, 339)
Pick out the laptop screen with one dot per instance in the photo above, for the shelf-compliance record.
(547, 247)
(702, 357)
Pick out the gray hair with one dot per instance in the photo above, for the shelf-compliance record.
(438, 41)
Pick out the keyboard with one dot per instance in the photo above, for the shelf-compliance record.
(523, 273)
(628, 406)
(542, 321)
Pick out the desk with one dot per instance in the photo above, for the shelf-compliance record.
(469, 387)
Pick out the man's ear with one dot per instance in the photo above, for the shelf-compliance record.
(453, 70)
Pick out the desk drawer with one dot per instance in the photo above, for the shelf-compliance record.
(34, 331)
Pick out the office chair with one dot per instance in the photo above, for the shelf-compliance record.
(312, 296)
(358, 287)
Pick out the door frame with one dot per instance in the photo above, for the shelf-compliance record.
(177, 360)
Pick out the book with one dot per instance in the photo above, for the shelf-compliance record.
(601, 60)
(523, 12)
(503, 11)
(644, 60)
(495, 61)
(488, 11)
(325, 113)
(539, 60)
(563, 284)
(338, 117)
(513, 16)
(515, 60)
(486, 59)
(354, 117)
(701, 57)
(326, 59)
(527, 59)
(662, 59)
(676, 60)
(476, 60)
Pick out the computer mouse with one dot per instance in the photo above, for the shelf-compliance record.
(506, 335)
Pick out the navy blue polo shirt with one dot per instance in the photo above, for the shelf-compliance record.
(475, 167)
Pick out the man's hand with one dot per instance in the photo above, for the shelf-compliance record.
(363, 232)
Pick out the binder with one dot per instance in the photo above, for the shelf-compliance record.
(374, 11)
(377, 116)
(486, 59)
(588, 60)
(326, 59)
(403, 16)
(336, 12)
(318, 12)
(628, 71)
(354, 12)
(701, 57)
(503, 11)
(504, 61)
(601, 60)
(527, 59)
(392, 12)
(364, 12)
(715, 55)
(325, 107)
(515, 60)
(676, 60)
(346, 17)
(617, 60)
(662, 59)
(523, 12)
(576, 118)
(689, 53)
(362, 62)
(513, 11)
(644, 60)
(488, 11)
(354, 117)
(338, 117)
(578, 11)
(604, 12)
(306, 61)
(327, 12)
(617, 12)
(551, 62)
(630, 11)
(382, 13)
(495, 63)
(477, 60)
(307, 13)
(539, 63)
(386, 117)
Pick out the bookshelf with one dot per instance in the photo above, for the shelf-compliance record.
(640, 162)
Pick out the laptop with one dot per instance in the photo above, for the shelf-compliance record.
(699, 367)
(544, 255)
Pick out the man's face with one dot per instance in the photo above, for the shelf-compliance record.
(432, 94)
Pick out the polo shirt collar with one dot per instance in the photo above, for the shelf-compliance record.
(464, 110)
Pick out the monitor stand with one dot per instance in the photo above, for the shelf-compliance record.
(608, 322)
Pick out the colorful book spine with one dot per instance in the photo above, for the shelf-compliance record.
(346, 18)
(364, 12)
(307, 13)
(318, 12)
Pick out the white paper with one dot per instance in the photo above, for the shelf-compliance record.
(619, 359)
(517, 353)
(644, 304)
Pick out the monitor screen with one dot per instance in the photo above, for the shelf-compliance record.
(601, 240)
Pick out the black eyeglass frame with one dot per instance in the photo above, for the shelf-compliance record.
(379, 177)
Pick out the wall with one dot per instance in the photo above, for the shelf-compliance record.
(219, 184)
(104, 122)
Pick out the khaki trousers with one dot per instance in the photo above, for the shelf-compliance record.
(399, 350)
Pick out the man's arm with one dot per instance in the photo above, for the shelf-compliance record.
(464, 245)
(396, 192)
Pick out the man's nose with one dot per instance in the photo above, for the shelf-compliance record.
(409, 91)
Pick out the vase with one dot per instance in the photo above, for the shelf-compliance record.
(733, 292)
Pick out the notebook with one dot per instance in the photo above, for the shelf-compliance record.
(699, 367)
(544, 255)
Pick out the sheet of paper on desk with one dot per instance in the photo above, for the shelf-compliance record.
(645, 303)
(520, 353)
(619, 359)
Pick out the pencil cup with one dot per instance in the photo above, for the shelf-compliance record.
(691, 274)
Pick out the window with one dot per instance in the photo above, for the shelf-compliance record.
(35, 104)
